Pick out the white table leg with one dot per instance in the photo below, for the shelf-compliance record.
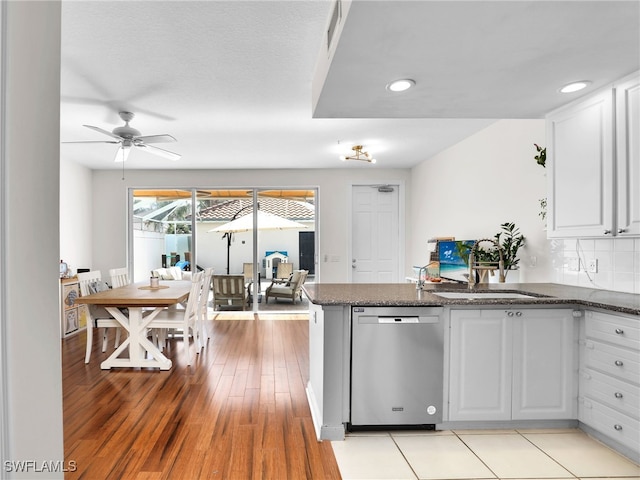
(137, 342)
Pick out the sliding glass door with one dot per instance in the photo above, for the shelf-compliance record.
(245, 232)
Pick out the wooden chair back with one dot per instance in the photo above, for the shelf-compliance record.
(229, 290)
(284, 270)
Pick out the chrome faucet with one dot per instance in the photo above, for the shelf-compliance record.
(473, 267)
(421, 278)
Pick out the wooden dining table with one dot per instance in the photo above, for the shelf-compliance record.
(142, 304)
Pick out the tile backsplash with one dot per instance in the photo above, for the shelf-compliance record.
(617, 263)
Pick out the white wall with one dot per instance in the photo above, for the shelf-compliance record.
(109, 206)
(468, 190)
(212, 248)
(30, 222)
(490, 178)
(75, 215)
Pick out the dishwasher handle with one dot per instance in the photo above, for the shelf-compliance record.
(396, 319)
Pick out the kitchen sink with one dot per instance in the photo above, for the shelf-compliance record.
(483, 295)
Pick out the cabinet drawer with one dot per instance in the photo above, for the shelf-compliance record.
(615, 425)
(620, 362)
(613, 329)
(613, 392)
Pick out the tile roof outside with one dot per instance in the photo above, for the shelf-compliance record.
(290, 209)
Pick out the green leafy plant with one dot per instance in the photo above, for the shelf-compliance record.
(543, 208)
(541, 158)
(510, 240)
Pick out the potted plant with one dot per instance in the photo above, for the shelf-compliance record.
(541, 159)
(510, 240)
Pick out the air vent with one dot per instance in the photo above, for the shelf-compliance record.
(335, 18)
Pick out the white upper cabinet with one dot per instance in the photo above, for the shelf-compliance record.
(593, 164)
(628, 155)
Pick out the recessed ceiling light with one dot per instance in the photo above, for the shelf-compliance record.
(400, 85)
(574, 86)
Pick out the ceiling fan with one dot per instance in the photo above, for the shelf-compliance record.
(129, 137)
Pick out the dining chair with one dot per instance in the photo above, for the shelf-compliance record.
(203, 305)
(119, 277)
(99, 317)
(184, 319)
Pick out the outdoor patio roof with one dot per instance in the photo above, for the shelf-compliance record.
(283, 207)
(171, 194)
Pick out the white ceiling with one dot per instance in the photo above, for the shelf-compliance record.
(232, 80)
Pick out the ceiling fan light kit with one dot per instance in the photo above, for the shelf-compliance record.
(127, 137)
(358, 155)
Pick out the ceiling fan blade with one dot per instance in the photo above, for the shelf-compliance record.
(156, 138)
(102, 130)
(162, 152)
(122, 154)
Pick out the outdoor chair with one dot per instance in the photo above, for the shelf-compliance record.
(284, 271)
(229, 291)
(291, 289)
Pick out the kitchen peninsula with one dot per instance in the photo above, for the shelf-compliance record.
(515, 355)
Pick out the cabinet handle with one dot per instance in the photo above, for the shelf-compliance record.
(617, 426)
(509, 314)
(518, 314)
(618, 395)
(622, 230)
(618, 363)
(619, 331)
(607, 232)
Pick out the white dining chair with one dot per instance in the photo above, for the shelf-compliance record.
(98, 316)
(119, 277)
(185, 319)
(203, 306)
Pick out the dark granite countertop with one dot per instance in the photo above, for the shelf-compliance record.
(405, 294)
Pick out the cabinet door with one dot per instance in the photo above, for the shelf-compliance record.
(480, 365)
(628, 155)
(544, 364)
(580, 160)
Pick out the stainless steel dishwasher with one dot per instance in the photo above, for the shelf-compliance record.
(396, 366)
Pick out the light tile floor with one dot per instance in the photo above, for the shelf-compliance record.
(479, 454)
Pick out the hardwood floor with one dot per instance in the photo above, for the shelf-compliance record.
(240, 412)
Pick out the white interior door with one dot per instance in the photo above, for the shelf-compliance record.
(375, 234)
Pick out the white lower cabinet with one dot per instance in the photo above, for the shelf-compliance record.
(512, 364)
(609, 398)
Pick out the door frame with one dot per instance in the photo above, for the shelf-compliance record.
(401, 223)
